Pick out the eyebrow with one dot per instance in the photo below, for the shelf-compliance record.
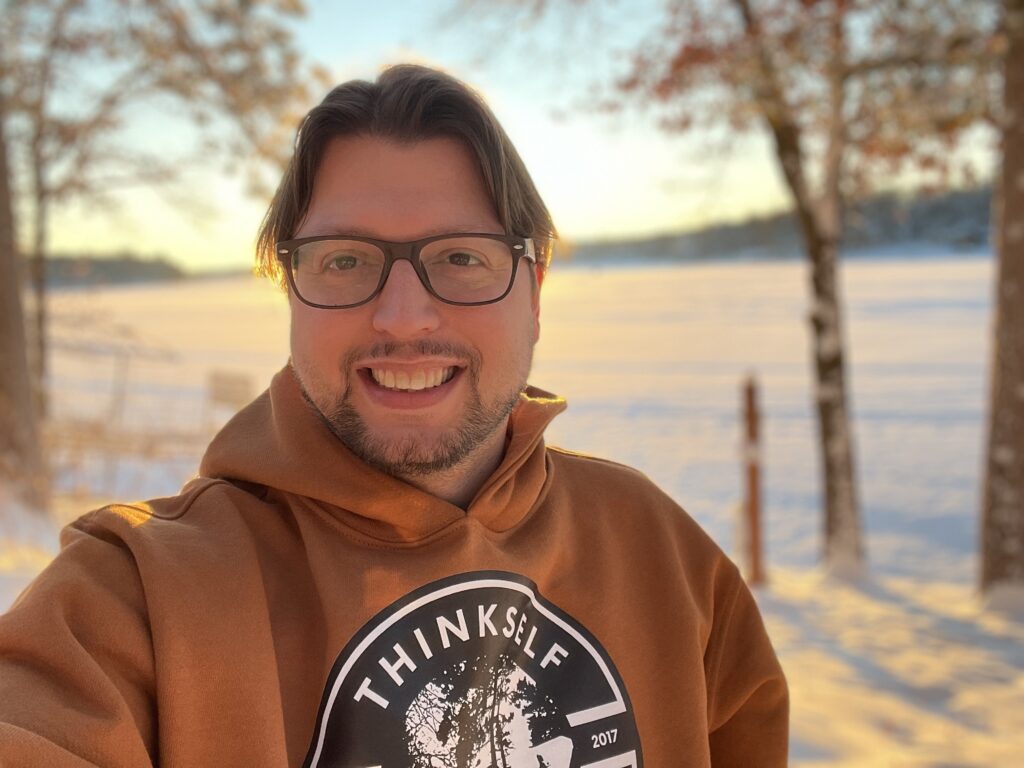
(362, 232)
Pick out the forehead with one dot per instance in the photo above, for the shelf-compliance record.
(398, 191)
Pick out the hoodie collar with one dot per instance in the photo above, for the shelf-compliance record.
(279, 441)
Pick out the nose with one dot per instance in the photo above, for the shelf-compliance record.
(404, 309)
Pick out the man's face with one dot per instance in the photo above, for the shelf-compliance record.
(400, 192)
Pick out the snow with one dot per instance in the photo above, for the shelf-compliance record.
(896, 672)
(902, 664)
(28, 541)
(828, 343)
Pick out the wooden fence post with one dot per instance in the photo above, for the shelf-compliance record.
(752, 499)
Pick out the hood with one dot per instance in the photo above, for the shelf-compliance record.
(279, 441)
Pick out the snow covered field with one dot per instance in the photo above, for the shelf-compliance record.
(905, 669)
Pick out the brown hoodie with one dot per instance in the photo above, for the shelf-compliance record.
(294, 606)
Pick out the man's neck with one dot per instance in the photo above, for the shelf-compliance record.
(460, 484)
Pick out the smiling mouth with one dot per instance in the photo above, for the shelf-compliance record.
(412, 381)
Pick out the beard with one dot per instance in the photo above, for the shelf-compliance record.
(418, 455)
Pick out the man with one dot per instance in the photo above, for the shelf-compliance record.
(381, 563)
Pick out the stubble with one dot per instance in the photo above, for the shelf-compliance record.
(419, 455)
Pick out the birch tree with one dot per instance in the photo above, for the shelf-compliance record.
(851, 93)
(1002, 539)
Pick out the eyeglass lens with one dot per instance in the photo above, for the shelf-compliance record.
(459, 269)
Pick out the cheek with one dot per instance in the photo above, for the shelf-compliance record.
(316, 343)
(511, 341)
(301, 330)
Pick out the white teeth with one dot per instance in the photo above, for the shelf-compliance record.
(418, 380)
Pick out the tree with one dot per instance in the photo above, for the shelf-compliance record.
(74, 71)
(74, 74)
(850, 92)
(21, 461)
(467, 716)
(1002, 539)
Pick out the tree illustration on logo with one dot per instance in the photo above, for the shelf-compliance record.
(482, 713)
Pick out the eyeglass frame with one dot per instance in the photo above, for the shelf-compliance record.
(520, 248)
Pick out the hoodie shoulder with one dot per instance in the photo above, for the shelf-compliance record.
(159, 518)
(606, 474)
(627, 496)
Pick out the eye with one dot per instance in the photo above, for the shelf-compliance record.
(340, 262)
(462, 259)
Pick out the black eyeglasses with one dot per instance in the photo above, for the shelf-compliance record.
(341, 271)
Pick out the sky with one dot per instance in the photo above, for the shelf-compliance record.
(602, 176)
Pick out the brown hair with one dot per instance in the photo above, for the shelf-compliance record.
(407, 103)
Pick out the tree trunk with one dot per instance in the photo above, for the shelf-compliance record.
(21, 457)
(1002, 537)
(844, 549)
(38, 272)
(820, 226)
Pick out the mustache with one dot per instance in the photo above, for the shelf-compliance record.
(419, 348)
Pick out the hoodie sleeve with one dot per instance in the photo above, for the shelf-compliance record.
(748, 700)
(76, 660)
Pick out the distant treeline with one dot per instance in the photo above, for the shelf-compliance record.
(958, 219)
(100, 269)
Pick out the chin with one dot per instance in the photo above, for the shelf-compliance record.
(412, 455)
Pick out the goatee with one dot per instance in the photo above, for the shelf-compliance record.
(413, 455)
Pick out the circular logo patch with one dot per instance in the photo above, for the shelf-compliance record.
(474, 671)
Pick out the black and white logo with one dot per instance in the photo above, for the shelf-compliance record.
(474, 671)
